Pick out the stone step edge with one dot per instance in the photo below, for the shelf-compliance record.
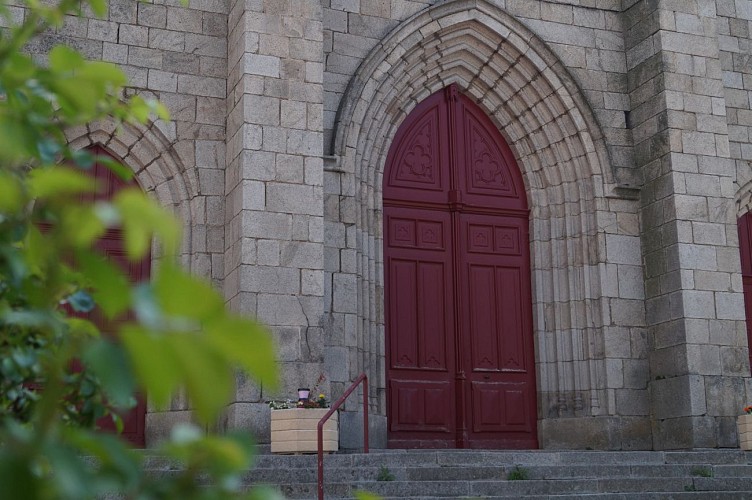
(357, 484)
(632, 495)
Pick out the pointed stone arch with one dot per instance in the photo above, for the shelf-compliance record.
(156, 165)
(528, 93)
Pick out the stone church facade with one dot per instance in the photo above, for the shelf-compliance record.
(627, 121)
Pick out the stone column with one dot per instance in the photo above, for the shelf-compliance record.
(274, 265)
(694, 307)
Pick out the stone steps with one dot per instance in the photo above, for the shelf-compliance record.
(691, 495)
(527, 488)
(423, 474)
(455, 473)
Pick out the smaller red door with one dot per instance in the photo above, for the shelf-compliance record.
(744, 225)
(112, 246)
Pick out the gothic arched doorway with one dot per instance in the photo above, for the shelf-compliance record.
(459, 343)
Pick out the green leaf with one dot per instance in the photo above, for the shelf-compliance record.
(143, 218)
(78, 98)
(17, 139)
(79, 327)
(110, 364)
(208, 377)
(185, 433)
(64, 59)
(18, 68)
(111, 289)
(82, 158)
(36, 249)
(265, 493)
(80, 226)
(71, 474)
(142, 109)
(155, 364)
(81, 301)
(15, 266)
(48, 150)
(365, 495)
(246, 343)
(104, 73)
(11, 195)
(31, 318)
(59, 181)
(99, 7)
(181, 294)
(159, 109)
(147, 310)
(16, 477)
(226, 454)
(117, 462)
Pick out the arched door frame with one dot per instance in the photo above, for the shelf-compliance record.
(528, 93)
(160, 172)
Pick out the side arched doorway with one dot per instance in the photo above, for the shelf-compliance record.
(112, 245)
(744, 225)
(459, 341)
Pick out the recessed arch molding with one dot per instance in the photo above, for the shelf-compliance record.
(544, 117)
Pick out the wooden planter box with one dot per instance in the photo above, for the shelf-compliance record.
(294, 431)
(744, 426)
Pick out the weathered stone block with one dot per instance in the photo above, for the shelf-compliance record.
(682, 396)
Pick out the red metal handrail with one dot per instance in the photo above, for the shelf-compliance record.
(320, 428)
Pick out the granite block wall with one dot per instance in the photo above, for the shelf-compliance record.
(630, 120)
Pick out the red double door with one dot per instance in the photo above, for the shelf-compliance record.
(460, 357)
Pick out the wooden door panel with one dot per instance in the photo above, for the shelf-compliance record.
(419, 230)
(492, 280)
(489, 177)
(510, 312)
(421, 406)
(419, 157)
(495, 318)
(403, 308)
(418, 281)
(500, 407)
(494, 239)
(420, 340)
(482, 300)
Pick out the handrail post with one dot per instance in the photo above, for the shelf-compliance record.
(320, 427)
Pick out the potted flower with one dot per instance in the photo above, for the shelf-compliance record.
(294, 423)
(744, 426)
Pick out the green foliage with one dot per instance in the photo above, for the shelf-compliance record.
(519, 473)
(384, 474)
(58, 375)
(365, 495)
